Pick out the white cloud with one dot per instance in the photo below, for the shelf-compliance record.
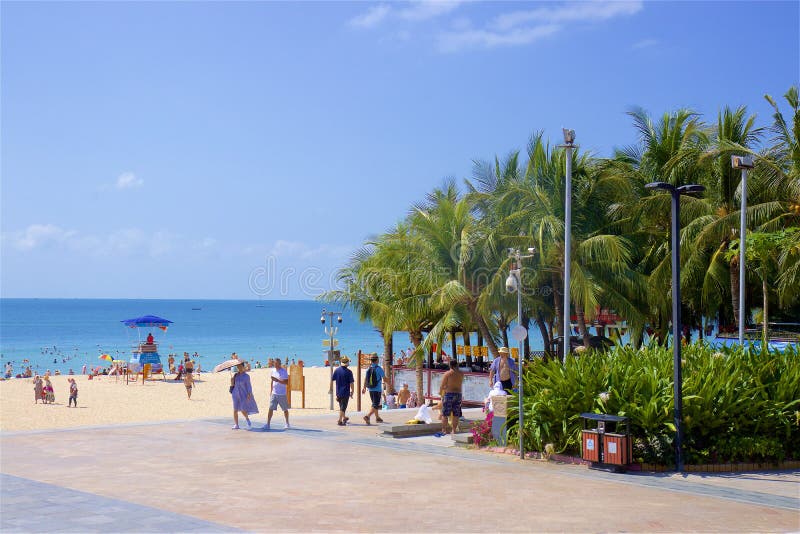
(455, 41)
(38, 235)
(413, 11)
(645, 43)
(427, 9)
(372, 17)
(523, 27)
(299, 250)
(125, 242)
(128, 180)
(570, 12)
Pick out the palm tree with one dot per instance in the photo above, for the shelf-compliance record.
(667, 151)
(709, 277)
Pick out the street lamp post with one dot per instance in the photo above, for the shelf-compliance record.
(744, 163)
(331, 331)
(676, 193)
(569, 146)
(519, 332)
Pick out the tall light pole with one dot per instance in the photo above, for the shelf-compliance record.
(331, 331)
(744, 163)
(676, 308)
(519, 332)
(569, 146)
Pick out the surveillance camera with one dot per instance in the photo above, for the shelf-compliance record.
(511, 283)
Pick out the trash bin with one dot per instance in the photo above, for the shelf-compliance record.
(609, 443)
(591, 445)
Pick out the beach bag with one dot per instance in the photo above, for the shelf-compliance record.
(371, 379)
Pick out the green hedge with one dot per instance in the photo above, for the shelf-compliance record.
(738, 404)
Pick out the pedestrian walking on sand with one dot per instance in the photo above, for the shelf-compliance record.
(242, 394)
(374, 383)
(38, 389)
(343, 377)
(49, 393)
(277, 389)
(73, 392)
(188, 382)
(450, 392)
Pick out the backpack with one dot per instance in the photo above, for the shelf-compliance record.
(371, 380)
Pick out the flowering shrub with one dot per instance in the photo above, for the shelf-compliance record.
(482, 432)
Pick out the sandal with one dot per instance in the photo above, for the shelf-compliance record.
(378, 420)
(339, 423)
(366, 420)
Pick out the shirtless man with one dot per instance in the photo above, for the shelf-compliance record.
(451, 397)
(403, 395)
(502, 371)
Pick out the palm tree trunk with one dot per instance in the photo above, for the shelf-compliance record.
(467, 343)
(765, 333)
(388, 348)
(582, 325)
(545, 335)
(472, 309)
(416, 339)
(734, 270)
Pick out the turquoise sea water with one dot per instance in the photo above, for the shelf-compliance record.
(69, 333)
(66, 334)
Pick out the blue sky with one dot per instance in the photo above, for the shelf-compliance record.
(238, 150)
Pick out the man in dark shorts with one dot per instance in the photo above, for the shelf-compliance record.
(343, 377)
(450, 391)
(503, 370)
(375, 390)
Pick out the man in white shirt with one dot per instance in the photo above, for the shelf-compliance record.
(277, 386)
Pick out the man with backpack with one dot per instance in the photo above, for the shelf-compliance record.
(373, 383)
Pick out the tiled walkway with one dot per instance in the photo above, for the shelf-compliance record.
(203, 476)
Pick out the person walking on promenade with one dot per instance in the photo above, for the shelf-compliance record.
(343, 377)
(450, 392)
(503, 371)
(374, 383)
(73, 392)
(38, 389)
(242, 394)
(403, 395)
(277, 387)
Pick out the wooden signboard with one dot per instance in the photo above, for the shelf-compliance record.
(297, 382)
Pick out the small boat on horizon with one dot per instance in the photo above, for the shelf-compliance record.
(197, 309)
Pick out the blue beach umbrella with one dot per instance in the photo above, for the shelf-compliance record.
(147, 321)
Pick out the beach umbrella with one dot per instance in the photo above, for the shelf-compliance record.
(106, 357)
(227, 365)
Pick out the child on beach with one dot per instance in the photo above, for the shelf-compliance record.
(73, 392)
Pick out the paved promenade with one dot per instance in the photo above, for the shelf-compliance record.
(201, 476)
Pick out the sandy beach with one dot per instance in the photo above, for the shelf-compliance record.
(109, 400)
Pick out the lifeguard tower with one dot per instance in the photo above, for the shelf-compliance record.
(145, 352)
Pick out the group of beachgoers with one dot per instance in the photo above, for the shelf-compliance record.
(502, 378)
(43, 390)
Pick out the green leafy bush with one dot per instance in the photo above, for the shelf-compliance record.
(738, 404)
